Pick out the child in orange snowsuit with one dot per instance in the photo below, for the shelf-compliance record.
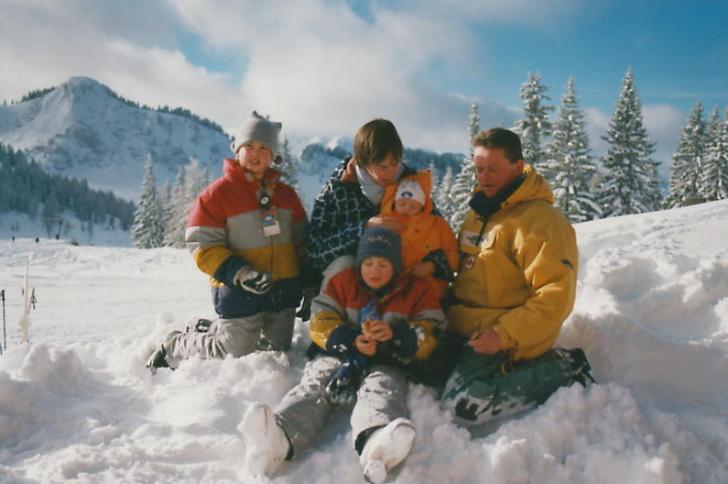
(429, 246)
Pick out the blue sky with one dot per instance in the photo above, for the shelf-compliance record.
(325, 67)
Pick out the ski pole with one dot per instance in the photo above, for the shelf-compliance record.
(5, 340)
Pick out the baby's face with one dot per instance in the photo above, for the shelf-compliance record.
(407, 206)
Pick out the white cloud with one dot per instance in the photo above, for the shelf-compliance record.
(315, 64)
(44, 43)
(322, 69)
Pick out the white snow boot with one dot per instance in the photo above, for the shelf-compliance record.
(386, 448)
(266, 444)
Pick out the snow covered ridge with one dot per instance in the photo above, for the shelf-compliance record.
(651, 313)
(82, 129)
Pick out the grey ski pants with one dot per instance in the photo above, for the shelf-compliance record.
(303, 412)
(239, 336)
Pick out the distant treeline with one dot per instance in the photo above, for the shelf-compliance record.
(185, 113)
(27, 188)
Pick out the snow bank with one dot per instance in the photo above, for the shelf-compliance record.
(651, 314)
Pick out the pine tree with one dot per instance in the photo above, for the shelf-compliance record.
(687, 163)
(176, 213)
(535, 127)
(441, 195)
(473, 125)
(461, 193)
(630, 183)
(289, 165)
(715, 174)
(196, 179)
(434, 176)
(570, 162)
(51, 213)
(148, 230)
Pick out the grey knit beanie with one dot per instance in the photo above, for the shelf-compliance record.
(259, 129)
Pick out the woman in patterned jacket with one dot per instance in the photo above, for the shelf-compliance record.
(352, 197)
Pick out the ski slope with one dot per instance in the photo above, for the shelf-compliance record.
(77, 405)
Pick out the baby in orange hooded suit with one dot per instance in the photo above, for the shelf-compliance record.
(429, 246)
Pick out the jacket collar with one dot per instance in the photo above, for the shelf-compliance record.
(529, 186)
(234, 171)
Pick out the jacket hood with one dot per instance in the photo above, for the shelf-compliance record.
(534, 187)
(424, 178)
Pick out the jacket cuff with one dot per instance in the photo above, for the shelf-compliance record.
(442, 268)
(507, 342)
(341, 339)
(227, 270)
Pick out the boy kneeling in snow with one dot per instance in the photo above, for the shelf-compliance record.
(246, 231)
(370, 322)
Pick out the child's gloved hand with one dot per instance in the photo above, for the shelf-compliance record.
(253, 281)
(402, 346)
(343, 383)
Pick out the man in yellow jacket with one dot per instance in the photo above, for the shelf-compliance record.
(515, 287)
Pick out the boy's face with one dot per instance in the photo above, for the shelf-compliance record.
(255, 158)
(407, 206)
(385, 172)
(376, 272)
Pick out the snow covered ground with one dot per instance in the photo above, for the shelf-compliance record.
(77, 405)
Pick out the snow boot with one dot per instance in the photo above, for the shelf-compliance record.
(386, 448)
(158, 359)
(266, 444)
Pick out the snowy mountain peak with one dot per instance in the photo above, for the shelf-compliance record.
(82, 128)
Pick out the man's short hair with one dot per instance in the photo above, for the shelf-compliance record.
(501, 138)
(375, 141)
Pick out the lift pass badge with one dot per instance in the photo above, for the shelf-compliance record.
(271, 226)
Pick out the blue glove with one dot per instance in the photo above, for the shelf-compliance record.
(403, 345)
(343, 383)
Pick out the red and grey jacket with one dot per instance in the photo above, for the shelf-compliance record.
(411, 308)
(225, 233)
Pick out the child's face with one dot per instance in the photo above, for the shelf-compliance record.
(255, 158)
(376, 272)
(407, 206)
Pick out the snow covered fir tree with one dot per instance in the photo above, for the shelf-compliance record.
(569, 161)
(461, 190)
(441, 194)
(175, 216)
(288, 165)
(535, 127)
(630, 183)
(715, 173)
(687, 163)
(148, 228)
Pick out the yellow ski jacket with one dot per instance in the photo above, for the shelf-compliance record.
(518, 273)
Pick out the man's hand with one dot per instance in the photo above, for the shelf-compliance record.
(377, 330)
(390, 223)
(424, 269)
(366, 346)
(488, 342)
